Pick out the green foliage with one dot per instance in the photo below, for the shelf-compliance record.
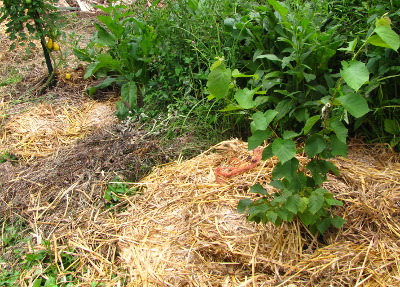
(19, 16)
(120, 52)
(117, 190)
(320, 109)
(27, 20)
(47, 271)
(6, 156)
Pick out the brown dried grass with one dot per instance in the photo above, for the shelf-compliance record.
(44, 129)
(182, 229)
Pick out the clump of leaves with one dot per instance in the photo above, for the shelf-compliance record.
(298, 189)
(117, 190)
(6, 156)
(28, 20)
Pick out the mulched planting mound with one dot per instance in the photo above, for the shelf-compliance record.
(181, 228)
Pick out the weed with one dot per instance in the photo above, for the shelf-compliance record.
(117, 190)
(36, 267)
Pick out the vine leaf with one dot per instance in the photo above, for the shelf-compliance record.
(316, 201)
(337, 221)
(314, 145)
(284, 149)
(355, 74)
(218, 81)
(310, 123)
(258, 138)
(293, 203)
(258, 188)
(355, 104)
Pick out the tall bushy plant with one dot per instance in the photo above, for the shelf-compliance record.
(321, 110)
(31, 20)
(120, 52)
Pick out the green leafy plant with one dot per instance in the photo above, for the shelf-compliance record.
(28, 20)
(116, 190)
(298, 188)
(39, 261)
(6, 156)
(120, 52)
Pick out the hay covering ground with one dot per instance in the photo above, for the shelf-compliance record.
(42, 130)
(182, 229)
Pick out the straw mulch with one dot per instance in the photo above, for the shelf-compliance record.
(182, 229)
(44, 129)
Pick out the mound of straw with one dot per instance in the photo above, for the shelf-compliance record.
(42, 130)
(182, 229)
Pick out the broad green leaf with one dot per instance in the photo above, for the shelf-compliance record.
(278, 6)
(267, 152)
(307, 218)
(218, 82)
(284, 149)
(237, 74)
(278, 184)
(293, 203)
(337, 221)
(258, 211)
(275, 74)
(129, 94)
(115, 27)
(260, 122)
(314, 145)
(104, 37)
(280, 198)
(285, 214)
(384, 21)
(339, 148)
(333, 202)
(258, 138)
(310, 123)
(283, 108)
(90, 69)
(377, 41)
(270, 115)
(355, 74)
(309, 77)
(270, 57)
(244, 98)
(303, 204)
(301, 114)
(339, 129)
(351, 47)
(390, 37)
(216, 64)
(316, 201)
(355, 104)
(106, 83)
(287, 135)
(244, 204)
(318, 169)
(323, 225)
(272, 216)
(392, 126)
(286, 170)
(258, 188)
(37, 283)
